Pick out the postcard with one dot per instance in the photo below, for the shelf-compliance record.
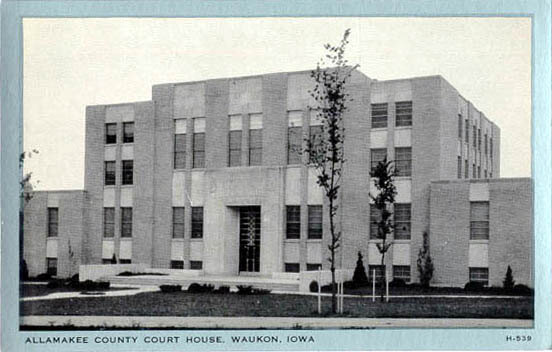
(208, 176)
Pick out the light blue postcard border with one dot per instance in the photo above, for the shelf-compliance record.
(377, 339)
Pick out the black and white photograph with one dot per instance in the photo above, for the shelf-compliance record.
(276, 173)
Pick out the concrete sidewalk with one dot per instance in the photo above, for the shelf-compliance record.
(265, 322)
(108, 293)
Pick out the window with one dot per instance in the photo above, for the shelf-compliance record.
(313, 267)
(180, 151)
(293, 222)
(199, 143)
(126, 222)
(177, 264)
(479, 172)
(474, 136)
(107, 261)
(52, 222)
(109, 167)
(480, 275)
(403, 113)
(479, 220)
(125, 261)
(51, 266)
(486, 145)
(128, 132)
(485, 173)
(460, 126)
(379, 271)
(295, 131)
(474, 174)
(402, 215)
(128, 171)
(375, 218)
(479, 139)
(459, 175)
(234, 148)
(110, 133)
(109, 222)
(255, 139)
(403, 161)
(291, 267)
(491, 147)
(315, 134)
(178, 222)
(401, 272)
(466, 169)
(467, 127)
(490, 174)
(196, 265)
(315, 222)
(377, 155)
(197, 222)
(379, 115)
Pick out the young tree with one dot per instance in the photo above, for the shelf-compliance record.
(25, 195)
(325, 151)
(425, 264)
(509, 279)
(383, 175)
(359, 277)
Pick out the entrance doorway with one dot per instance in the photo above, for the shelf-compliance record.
(250, 239)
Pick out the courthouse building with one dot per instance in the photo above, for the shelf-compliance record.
(206, 176)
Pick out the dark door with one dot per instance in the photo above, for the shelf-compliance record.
(250, 239)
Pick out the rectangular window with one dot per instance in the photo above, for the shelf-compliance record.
(459, 174)
(180, 151)
(125, 261)
(403, 161)
(234, 148)
(466, 169)
(486, 145)
(177, 264)
(107, 261)
(126, 222)
(255, 139)
(109, 167)
(401, 272)
(491, 147)
(51, 266)
(313, 267)
(295, 138)
(474, 174)
(291, 267)
(53, 215)
(377, 155)
(402, 215)
(293, 222)
(110, 133)
(375, 218)
(379, 271)
(474, 136)
(460, 129)
(479, 139)
(178, 222)
(128, 172)
(315, 222)
(490, 175)
(403, 113)
(479, 220)
(109, 222)
(379, 115)
(196, 265)
(467, 128)
(480, 275)
(479, 172)
(199, 150)
(315, 134)
(197, 222)
(485, 173)
(128, 132)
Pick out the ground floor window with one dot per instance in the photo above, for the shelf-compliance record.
(313, 267)
(107, 261)
(291, 267)
(479, 275)
(51, 266)
(196, 264)
(177, 264)
(380, 272)
(401, 272)
(125, 261)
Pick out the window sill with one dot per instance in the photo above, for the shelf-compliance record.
(407, 241)
(479, 241)
(196, 239)
(51, 238)
(409, 127)
(127, 186)
(128, 143)
(314, 240)
(111, 239)
(110, 186)
(375, 129)
(292, 240)
(177, 239)
(123, 239)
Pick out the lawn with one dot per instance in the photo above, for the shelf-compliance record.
(35, 290)
(212, 304)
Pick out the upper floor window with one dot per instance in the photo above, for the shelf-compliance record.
(375, 218)
(180, 143)
(491, 147)
(315, 222)
(459, 166)
(128, 172)
(109, 222)
(474, 174)
(479, 220)
(53, 222)
(466, 169)
(377, 155)
(379, 115)
(109, 173)
(178, 222)
(474, 136)
(126, 222)
(460, 129)
(199, 143)
(197, 222)
(403, 113)
(295, 136)
(402, 221)
(478, 171)
(128, 132)
(486, 145)
(255, 139)
(110, 133)
(479, 139)
(235, 141)
(467, 128)
(293, 222)
(403, 161)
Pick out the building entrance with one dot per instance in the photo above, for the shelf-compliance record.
(250, 239)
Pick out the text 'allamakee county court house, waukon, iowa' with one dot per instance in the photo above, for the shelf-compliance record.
(205, 180)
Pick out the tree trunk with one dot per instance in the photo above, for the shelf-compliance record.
(384, 271)
(332, 264)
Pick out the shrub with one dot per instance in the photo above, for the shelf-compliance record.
(54, 284)
(397, 283)
(90, 285)
(23, 270)
(244, 290)
(197, 288)
(474, 286)
(222, 289)
(523, 290)
(425, 263)
(260, 291)
(126, 273)
(359, 277)
(170, 288)
(508, 282)
(73, 281)
(44, 277)
(313, 286)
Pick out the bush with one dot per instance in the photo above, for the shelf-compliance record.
(126, 273)
(397, 283)
(474, 286)
(197, 288)
(260, 291)
(73, 281)
(44, 277)
(90, 285)
(244, 290)
(170, 288)
(359, 277)
(508, 282)
(523, 290)
(23, 270)
(130, 273)
(222, 289)
(54, 284)
(313, 286)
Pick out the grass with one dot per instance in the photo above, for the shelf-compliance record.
(36, 290)
(270, 305)
(418, 290)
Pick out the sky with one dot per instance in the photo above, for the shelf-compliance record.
(70, 63)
